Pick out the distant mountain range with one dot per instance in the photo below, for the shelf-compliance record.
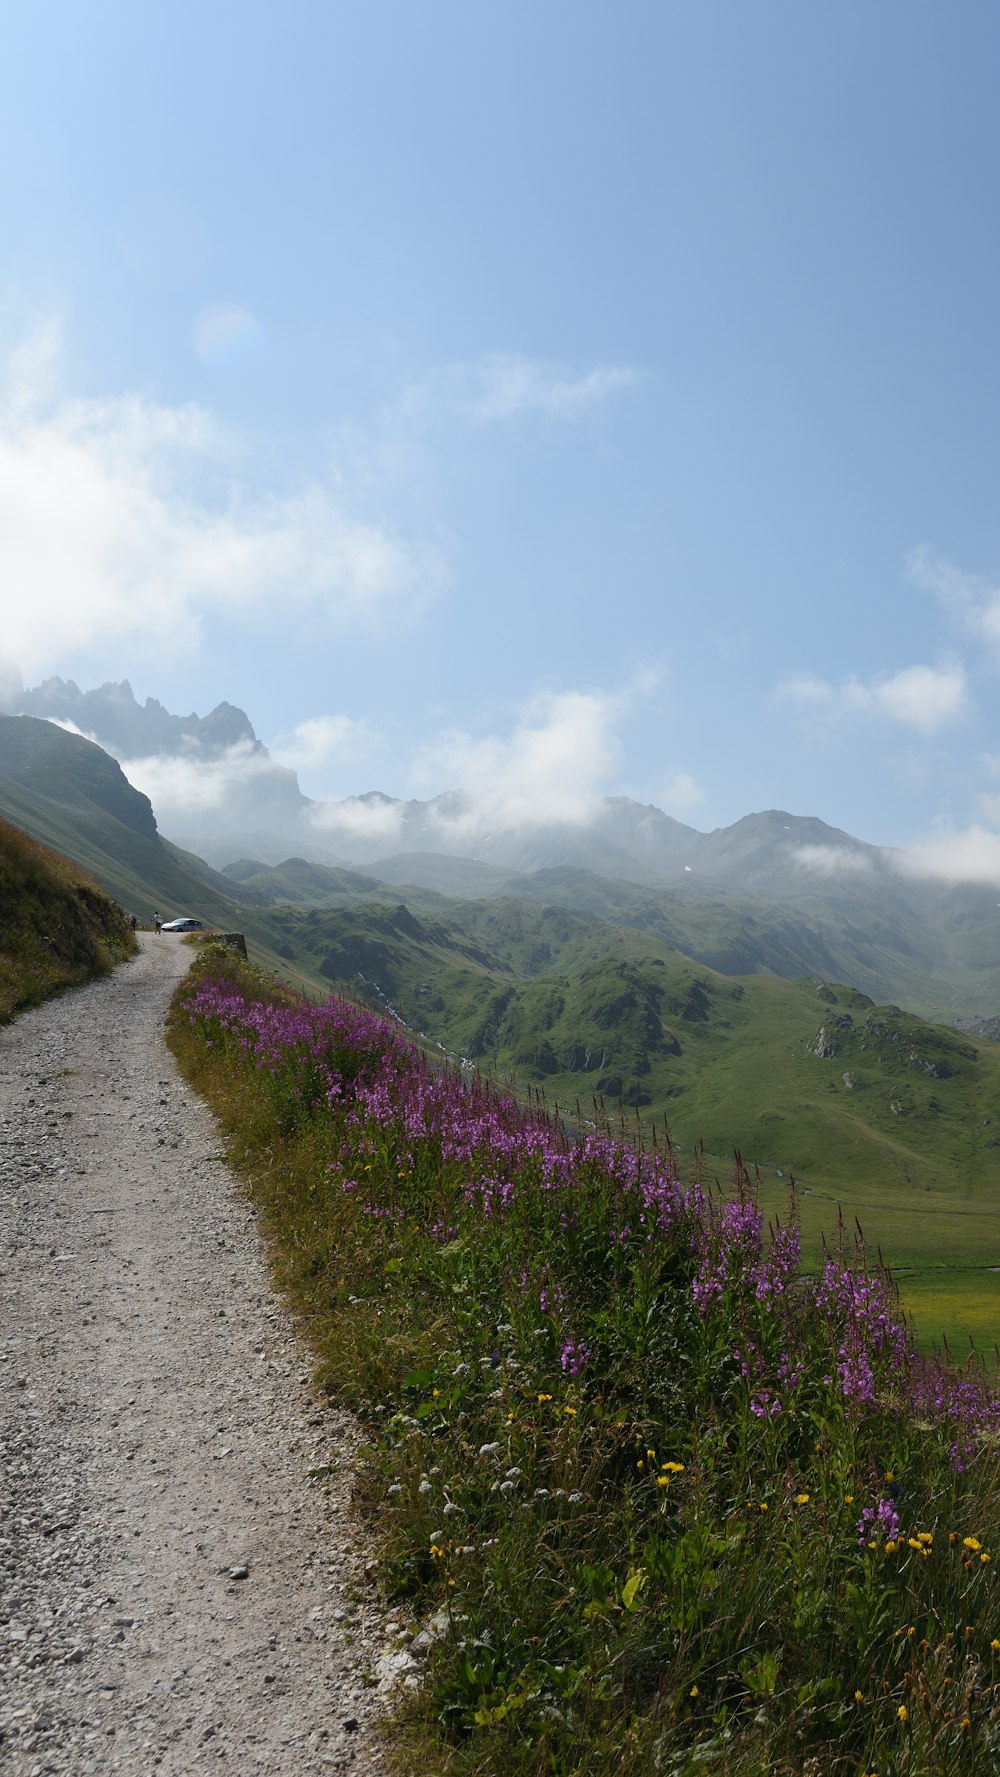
(729, 982)
(774, 893)
(743, 986)
(128, 729)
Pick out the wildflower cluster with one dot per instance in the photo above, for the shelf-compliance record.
(649, 1467)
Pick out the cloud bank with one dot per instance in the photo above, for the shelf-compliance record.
(971, 600)
(831, 860)
(185, 787)
(322, 743)
(126, 518)
(955, 855)
(925, 698)
(553, 768)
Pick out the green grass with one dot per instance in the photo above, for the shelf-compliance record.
(631, 1569)
(57, 927)
(571, 1007)
(73, 798)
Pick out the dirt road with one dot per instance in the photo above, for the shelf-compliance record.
(177, 1592)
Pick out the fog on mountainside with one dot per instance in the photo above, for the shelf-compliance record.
(776, 892)
(217, 790)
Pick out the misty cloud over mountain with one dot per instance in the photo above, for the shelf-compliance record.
(218, 791)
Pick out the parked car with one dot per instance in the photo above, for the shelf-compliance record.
(184, 925)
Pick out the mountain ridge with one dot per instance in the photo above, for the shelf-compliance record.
(776, 891)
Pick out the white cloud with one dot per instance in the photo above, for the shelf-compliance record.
(69, 727)
(553, 768)
(922, 697)
(973, 601)
(322, 742)
(681, 792)
(831, 860)
(107, 531)
(357, 818)
(189, 785)
(969, 854)
(504, 386)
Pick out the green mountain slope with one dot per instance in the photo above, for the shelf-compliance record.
(872, 1107)
(57, 927)
(73, 797)
(933, 955)
(876, 1113)
(307, 884)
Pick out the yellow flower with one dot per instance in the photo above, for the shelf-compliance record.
(888, 1474)
(437, 1554)
(571, 1411)
(848, 1499)
(911, 1632)
(640, 1463)
(693, 1691)
(651, 1454)
(890, 1548)
(802, 1499)
(545, 1397)
(763, 1505)
(663, 1480)
(984, 1557)
(912, 1542)
(971, 1542)
(859, 1697)
(903, 1712)
(675, 1468)
(995, 1645)
(925, 1536)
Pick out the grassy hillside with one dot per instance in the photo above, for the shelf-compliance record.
(672, 1504)
(73, 797)
(57, 927)
(934, 954)
(698, 1004)
(870, 1108)
(300, 882)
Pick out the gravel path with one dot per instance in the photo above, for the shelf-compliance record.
(178, 1587)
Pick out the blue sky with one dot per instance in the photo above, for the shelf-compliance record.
(591, 399)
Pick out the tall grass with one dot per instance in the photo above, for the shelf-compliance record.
(668, 1503)
(57, 927)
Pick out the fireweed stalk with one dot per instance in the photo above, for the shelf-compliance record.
(639, 1465)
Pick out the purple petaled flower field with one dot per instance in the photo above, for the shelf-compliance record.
(645, 1471)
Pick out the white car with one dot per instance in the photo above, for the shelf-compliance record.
(183, 925)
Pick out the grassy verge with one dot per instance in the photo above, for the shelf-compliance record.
(656, 1501)
(57, 927)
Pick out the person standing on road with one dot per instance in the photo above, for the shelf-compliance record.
(157, 922)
